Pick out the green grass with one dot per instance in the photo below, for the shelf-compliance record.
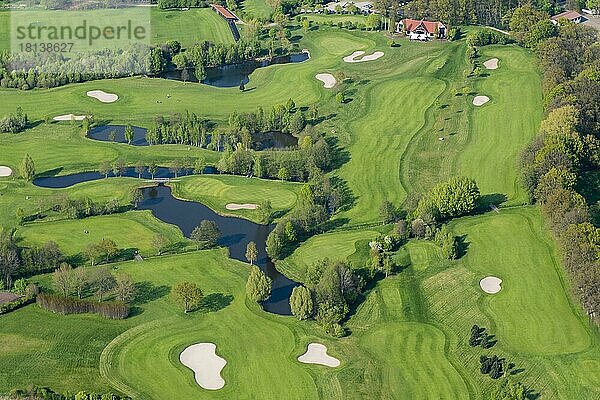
(189, 27)
(218, 191)
(335, 246)
(335, 18)
(256, 9)
(131, 230)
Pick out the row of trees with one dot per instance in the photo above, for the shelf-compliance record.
(15, 122)
(42, 393)
(555, 166)
(166, 4)
(68, 305)
(281, 118)
(83, 282)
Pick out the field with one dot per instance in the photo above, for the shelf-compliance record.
(409, 335)
(189, 27)
(256, 9)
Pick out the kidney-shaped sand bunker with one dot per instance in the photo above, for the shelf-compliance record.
(206, 364)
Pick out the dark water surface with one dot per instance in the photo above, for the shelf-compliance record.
(102, 133)
(236, 232)
(231, 75)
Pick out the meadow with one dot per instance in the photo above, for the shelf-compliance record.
(409, 336)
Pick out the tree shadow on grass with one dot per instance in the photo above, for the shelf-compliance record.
(147, 292)
(462, 245)
(215, 302)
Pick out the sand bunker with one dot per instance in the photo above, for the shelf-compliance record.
(103, 96)
(69, 117)
(235, 206)
(206, 364)
(480, 100)
(491, 63)
(352, 57)
(327, 79)
(490, 284)
(5, 171)
(317, 354)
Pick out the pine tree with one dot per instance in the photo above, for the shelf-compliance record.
(301, 302)
(258, 287)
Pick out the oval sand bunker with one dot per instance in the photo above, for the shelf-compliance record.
(5, 171)
(352, 57)
(480, 100)
(327, 79)
(317, 354)
(490, 284)
(103, 96)
(491, 63)
(69, 117)
(235, 206)
(206, 364)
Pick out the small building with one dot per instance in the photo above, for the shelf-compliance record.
(422, 30)
(571, 16)
(225, 13)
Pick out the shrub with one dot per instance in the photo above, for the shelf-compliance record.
(67, 305)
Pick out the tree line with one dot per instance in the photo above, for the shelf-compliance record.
(556, 167)
(68, 305)
(44, 393)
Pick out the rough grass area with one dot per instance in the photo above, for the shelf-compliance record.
(189, 27)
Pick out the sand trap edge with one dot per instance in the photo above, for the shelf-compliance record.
(235, 206)
(491, 284)
(5, 171)
(194, 361)
(328, 80)
(102, 96)
(478, 101)
(316, 353)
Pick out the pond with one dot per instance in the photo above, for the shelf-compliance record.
(103, 133)
(236, 232)
(260, 140)
(229, 76)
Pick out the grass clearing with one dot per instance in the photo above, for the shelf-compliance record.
(189, 27)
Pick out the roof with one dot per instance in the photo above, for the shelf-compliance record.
(223, 11)
(412, 24)
(570, 15)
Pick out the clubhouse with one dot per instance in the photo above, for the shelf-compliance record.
(421, 30)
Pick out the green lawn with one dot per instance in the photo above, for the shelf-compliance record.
(189, 27)
(335, 246)
(218, 191)
(132, 230)
(256, 9)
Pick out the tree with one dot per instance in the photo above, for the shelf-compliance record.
(206, 234)
(265, 210)
(199, 166)
(129, 133)
(373, 21)
(175, 167)
(258, 286)
(139, 168)
(251, 252)
(105, 168)
(160, 243)
(27, 168)
(125, 288)
(388, 212)
(102, 282)
(80, 280)
(340, 97)
(510, 390)
(187, 295)
(153, 169)
(20, 286)
(283, 174)
(388, 265)
(301, 302)
(290, 231)
(62, 279)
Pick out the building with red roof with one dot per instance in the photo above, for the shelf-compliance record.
(225, 13)
(571, 16)
(421, 29)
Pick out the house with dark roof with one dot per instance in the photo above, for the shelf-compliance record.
(571, 16)
(421, 29)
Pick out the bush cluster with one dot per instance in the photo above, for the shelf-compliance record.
(69, 305)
